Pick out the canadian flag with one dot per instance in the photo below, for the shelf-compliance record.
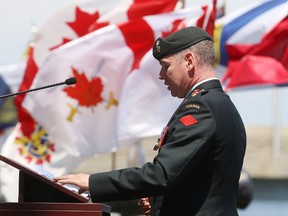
(86, 118)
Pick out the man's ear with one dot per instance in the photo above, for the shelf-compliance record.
(189, 60)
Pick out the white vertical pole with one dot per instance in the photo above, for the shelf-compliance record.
(113, 160)
(136, 154)
(183, 3)
(276, 126)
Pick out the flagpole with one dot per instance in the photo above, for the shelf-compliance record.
(276, 127)
(183, 2)
(113, 160)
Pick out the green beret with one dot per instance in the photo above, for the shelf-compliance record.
(179, 41)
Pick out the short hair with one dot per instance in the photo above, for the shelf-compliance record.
(204, 52)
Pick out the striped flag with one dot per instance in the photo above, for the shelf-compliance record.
(265, 63)
(250, 39)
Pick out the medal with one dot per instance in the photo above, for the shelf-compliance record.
(160, 140)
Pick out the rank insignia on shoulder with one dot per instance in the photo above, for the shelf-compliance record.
(160, 140)
(188, 120)
(196, 91)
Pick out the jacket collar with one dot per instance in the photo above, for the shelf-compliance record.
(205, 85)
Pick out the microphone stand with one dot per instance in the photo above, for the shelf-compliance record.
(69, 81)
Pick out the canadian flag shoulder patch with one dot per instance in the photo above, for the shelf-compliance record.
(188, 120)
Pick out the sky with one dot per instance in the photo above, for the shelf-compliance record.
(257, 107)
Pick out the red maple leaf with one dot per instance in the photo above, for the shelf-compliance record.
(83, 21)
(88, 93)
(83, 24)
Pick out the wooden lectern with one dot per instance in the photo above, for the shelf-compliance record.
(39, 196)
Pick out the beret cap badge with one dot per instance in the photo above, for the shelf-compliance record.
(158, 48)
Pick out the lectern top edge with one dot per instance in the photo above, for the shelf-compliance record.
(43, 179)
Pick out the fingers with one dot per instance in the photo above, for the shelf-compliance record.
(144, 205)
(80, 180)
(144, 202)
(66, 179)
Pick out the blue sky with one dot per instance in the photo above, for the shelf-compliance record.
(257, 107)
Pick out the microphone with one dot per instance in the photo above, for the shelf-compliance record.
(69, 81)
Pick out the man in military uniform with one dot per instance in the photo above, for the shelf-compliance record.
(201, 149)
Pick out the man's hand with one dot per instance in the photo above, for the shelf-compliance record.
(145, 206)
(80, 180)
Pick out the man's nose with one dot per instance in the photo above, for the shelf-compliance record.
(161, 75)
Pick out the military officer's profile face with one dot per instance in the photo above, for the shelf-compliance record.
(175, 73)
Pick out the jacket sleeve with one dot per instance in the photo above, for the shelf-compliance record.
(187, 140)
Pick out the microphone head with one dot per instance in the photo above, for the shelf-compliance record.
(70, 81)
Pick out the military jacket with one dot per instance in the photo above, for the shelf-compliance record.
(198, 165)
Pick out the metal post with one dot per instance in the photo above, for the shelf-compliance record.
(276, 125)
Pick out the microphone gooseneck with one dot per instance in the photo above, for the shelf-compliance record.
(69, 81)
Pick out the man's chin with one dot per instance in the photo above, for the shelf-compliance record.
(173, 94)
